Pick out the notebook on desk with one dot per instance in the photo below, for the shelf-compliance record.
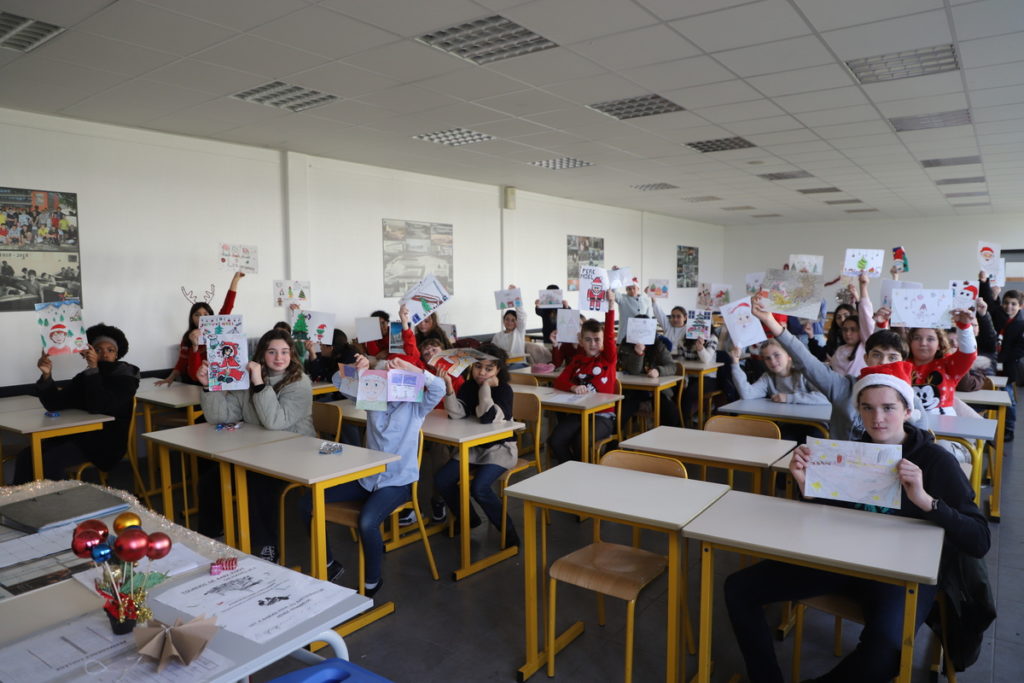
(60, 507)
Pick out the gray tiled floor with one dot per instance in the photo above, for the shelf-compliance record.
(473, 630)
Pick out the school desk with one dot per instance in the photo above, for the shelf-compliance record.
(206, 441)
(816, 416)
(640, 499)
(700, 370)
(998, 382)
(753, 454)
(40, 610)
(33, 423)
(542, 377)
(13, 404)
(998, 400)
(461, 434)
(887, 548)
(176, 396)
(655, 385)
(320, 388)
(584, 405)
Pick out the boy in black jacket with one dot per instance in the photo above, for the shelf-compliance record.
(1009, 325)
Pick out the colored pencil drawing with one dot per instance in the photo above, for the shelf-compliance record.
(405, 386)
(641, 330)
(889, 286)
(214, 325)
(505, 299)
(239, 257)
(227, 356)
(657, 289)
(568, 329)
(922, 307)
(899, 260)
(744, 329)
(793, 293)
(867, 261)
(425, 297)
(806, 263)
(698, 324)
(988, 255)
(593, 289)
(965, 294)
(549, 298)
(61, 329)
(373, 390)
(753, 283)
(287, 292)
(854, 472)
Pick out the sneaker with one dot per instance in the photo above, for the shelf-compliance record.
(407, 517)
(269, 553)
(335, 570)
(370, 592)
(438, 511)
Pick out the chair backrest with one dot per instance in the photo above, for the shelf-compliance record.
(988, 383)
(327, 420)
(645, 462)
(749, 426)
(527, 408)
(519, 378)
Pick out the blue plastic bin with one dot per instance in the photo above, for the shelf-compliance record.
(332, 671)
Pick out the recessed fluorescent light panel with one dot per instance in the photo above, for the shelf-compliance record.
(487, 40)
(720, 145)
(950, 161)
(651, 187)
(561, 164)
(908, 64)
(703, 198)
(861, 210)
(819, 190)
(454, 137)
(737, 208)
(954, 195)
(960, 181)
(24, 34)
(635, 107)
(785, 175)
(960, 117)
(294, 98)
(843, 201)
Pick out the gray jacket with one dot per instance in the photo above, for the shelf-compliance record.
(290, 410)
(795, 387)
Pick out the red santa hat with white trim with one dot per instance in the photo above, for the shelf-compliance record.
(895, 375)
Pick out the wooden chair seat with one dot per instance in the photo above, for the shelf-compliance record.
(345, 513)
(619, 571)
(837, 605)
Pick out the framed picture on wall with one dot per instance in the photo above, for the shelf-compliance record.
(39, 251)
(413, 250)
(687, 266)
(582, 251)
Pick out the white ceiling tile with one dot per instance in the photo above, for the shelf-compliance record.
(793, 148)
(995, 76)
(154, 28)
(921, 86)
(995, 96)
(869, 145)
(550, 138)
(570, 21)
(237, 14)
(782, 138)
(136, 102)
(923, 105)
(1006, 112)
(988, 128)
(802, 80)
(249, 53)
(758, 22)
(32, 95)
(350, 111)
(406, 98)
(471, 84)
(642, 46)
(548, 66)
(697, 134)
(825, 117)
(236, 111)
(771, 124)
(96, 52)
(988, 51)
(784, 55)
(822, 99)
(595, 89)
(342, 80)
(78, 81)
(832, 14)
(512, 128)
(59, 12)
(324, 32)
(524, 102)
(743, 111)
(712, 95)
(409, 17)
(681, 73)
(645, 145)
(407, 61)
(893, 35)
(846, 130)
(673, 9)
(219, 80)
(988, 18)
(672, 121)
(570, 119)
(184, 123)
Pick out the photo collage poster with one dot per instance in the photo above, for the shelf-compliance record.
(687, 266)
(582, 250)
(414, 250)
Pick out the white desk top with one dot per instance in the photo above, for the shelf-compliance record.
(177, 395)
(985, 397)
(998, 382)
(970, 428)
(35, 420)
(439, 427)
(554, 398)
(644, 382)
(696, 365)
(13, 404)
(298, 460)
(764, 407)
(733, 449)
(204, 439)
(638, 497)
(882, 545)
(324, 388)
(539, 375)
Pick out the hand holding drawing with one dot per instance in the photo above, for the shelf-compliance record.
(882, 315)
(734, 353)
(912, 481)
(766, 318)
(798, 465)
(203, 375)
(90, 356)
(982, 306)
(310, 347)
(234, 281)
(255, 372)
(399, 364)
(403, 315)
(362, 362)
(963, 317)
(45, 365)
(194, 338)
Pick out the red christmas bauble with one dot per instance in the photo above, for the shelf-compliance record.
(96, 525)
(131, 545)
(159, 545)
(84, 541)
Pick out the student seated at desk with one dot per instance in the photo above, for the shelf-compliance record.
(512, 337)
(591, 370)
(280, 397)
(107, 386)
(648, 360)
(939, 365)
(486, 396)
(934, 489)
(848, 359)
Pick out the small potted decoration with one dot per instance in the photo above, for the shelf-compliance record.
(120, 583)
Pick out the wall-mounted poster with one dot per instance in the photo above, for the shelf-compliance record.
(412, 251)
(39, 256)
(582, 251)
(687, 261)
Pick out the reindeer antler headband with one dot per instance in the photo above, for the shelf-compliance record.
(192, 298)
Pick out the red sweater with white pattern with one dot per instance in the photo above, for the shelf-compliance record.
(597, 373)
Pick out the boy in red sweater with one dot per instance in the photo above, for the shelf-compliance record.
(591, 370)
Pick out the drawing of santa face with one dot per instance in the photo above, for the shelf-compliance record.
(373, 388)
(58, 335)
(742, 315)
(987, 253)
(595, 287)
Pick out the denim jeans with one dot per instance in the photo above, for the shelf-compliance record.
(565, 437)
(377, 505)
(877, 655)
(481, 488)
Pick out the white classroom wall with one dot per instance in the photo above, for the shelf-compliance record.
(154, 206)
(940, 249)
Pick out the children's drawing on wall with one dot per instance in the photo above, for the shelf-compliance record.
(414, 250)
(657, 289)
(687, 266)
(580, 251)
(900, 262)
(867, 261)
(988, 255)
(922, 307)
(704, 295)
(753, 284)
(239, 258)
(806, 263)
(713, 295)
(594, 289)
(288, 292)
(39, 254)
(61, 329)
(373, 390)
(212, 325)
(227, 357)
(793, 293)
(744, 329)
(505, 299)
(425, 297)
(698, 324)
